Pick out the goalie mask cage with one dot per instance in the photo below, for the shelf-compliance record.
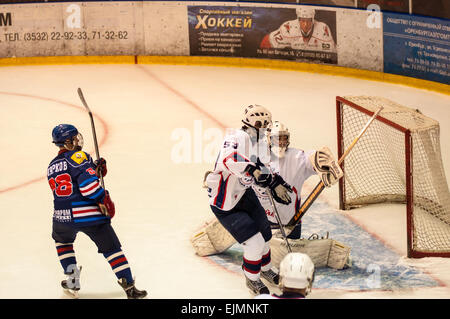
(398, 160)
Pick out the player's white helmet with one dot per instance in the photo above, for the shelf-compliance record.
(279, 139)
(256, 117)
(297, 271)
(306, 13)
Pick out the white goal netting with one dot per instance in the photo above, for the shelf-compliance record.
(387, 165)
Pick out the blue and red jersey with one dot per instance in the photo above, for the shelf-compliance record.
(76, 190)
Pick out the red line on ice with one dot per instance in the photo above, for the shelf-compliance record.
(43, 98)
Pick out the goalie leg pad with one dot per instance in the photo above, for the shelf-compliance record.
(323, 252)
(212, 239)
(339, 257)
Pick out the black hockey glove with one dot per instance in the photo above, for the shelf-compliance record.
(260, 172)
(280, 190)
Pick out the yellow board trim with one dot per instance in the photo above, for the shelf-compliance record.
(234, 62)
(51, 60)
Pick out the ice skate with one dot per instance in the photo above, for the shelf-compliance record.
(257, 286)
(71, 286)
(131, 290)
(271, 276)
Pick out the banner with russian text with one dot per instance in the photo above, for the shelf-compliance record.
(417, 46)
(300, 34)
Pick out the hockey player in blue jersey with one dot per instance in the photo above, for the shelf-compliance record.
(241, 163)
(81, 204)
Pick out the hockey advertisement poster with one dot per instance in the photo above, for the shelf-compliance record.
(417, 47)
(302, 34)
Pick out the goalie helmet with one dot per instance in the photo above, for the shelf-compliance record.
(256, 117)
(279, 139)
(297, 271)
(303, 14)
(67, 136)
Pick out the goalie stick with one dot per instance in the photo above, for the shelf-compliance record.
(83, 100)
(320, 186)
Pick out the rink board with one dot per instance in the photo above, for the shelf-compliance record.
(375, 266)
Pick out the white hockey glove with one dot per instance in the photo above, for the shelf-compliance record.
(326, 166)
(280, 190)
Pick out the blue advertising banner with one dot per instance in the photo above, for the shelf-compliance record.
(417, 46)
(301, 34)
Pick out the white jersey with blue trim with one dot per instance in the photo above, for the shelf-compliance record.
(229, 181)
(295, 168)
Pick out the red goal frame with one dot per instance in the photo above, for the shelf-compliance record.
(411, 253)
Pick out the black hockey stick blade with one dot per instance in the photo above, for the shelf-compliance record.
(83, 100)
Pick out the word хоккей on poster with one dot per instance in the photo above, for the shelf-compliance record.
(301, 34)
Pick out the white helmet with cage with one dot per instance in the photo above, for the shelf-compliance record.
(306, 12)
(297, 271)
(279, 139)
(256, 117)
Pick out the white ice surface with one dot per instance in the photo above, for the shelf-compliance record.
(160, 204)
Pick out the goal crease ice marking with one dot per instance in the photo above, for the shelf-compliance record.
(366, 250)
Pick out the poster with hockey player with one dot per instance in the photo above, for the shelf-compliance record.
(302, 33)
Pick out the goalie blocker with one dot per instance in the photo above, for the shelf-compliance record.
(213, 239)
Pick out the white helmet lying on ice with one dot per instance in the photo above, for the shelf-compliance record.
(297, 272)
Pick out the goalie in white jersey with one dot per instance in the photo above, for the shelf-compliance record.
(303, 33)
(240, 165)
(295, 166)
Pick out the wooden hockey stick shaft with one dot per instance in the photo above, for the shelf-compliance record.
(320, 186)
(83, 100)
(277, 216)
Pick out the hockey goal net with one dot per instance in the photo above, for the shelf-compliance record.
(397, 160)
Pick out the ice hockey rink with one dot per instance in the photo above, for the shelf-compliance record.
(159, 128)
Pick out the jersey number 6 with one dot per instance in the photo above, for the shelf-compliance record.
(61, 184)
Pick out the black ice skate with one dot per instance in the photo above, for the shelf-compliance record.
(71, 286)
(257, 286)
(131, 291)
(271, 276)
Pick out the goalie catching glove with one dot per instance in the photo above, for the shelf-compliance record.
(278, 187)
(326, 166)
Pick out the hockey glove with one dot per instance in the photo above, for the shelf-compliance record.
(100, 167)
(280, 190)
(326, 167)
(260, 172)
(107, 206)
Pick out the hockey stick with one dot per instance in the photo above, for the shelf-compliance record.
(83, 100)
(277, 216)
(320, 186)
